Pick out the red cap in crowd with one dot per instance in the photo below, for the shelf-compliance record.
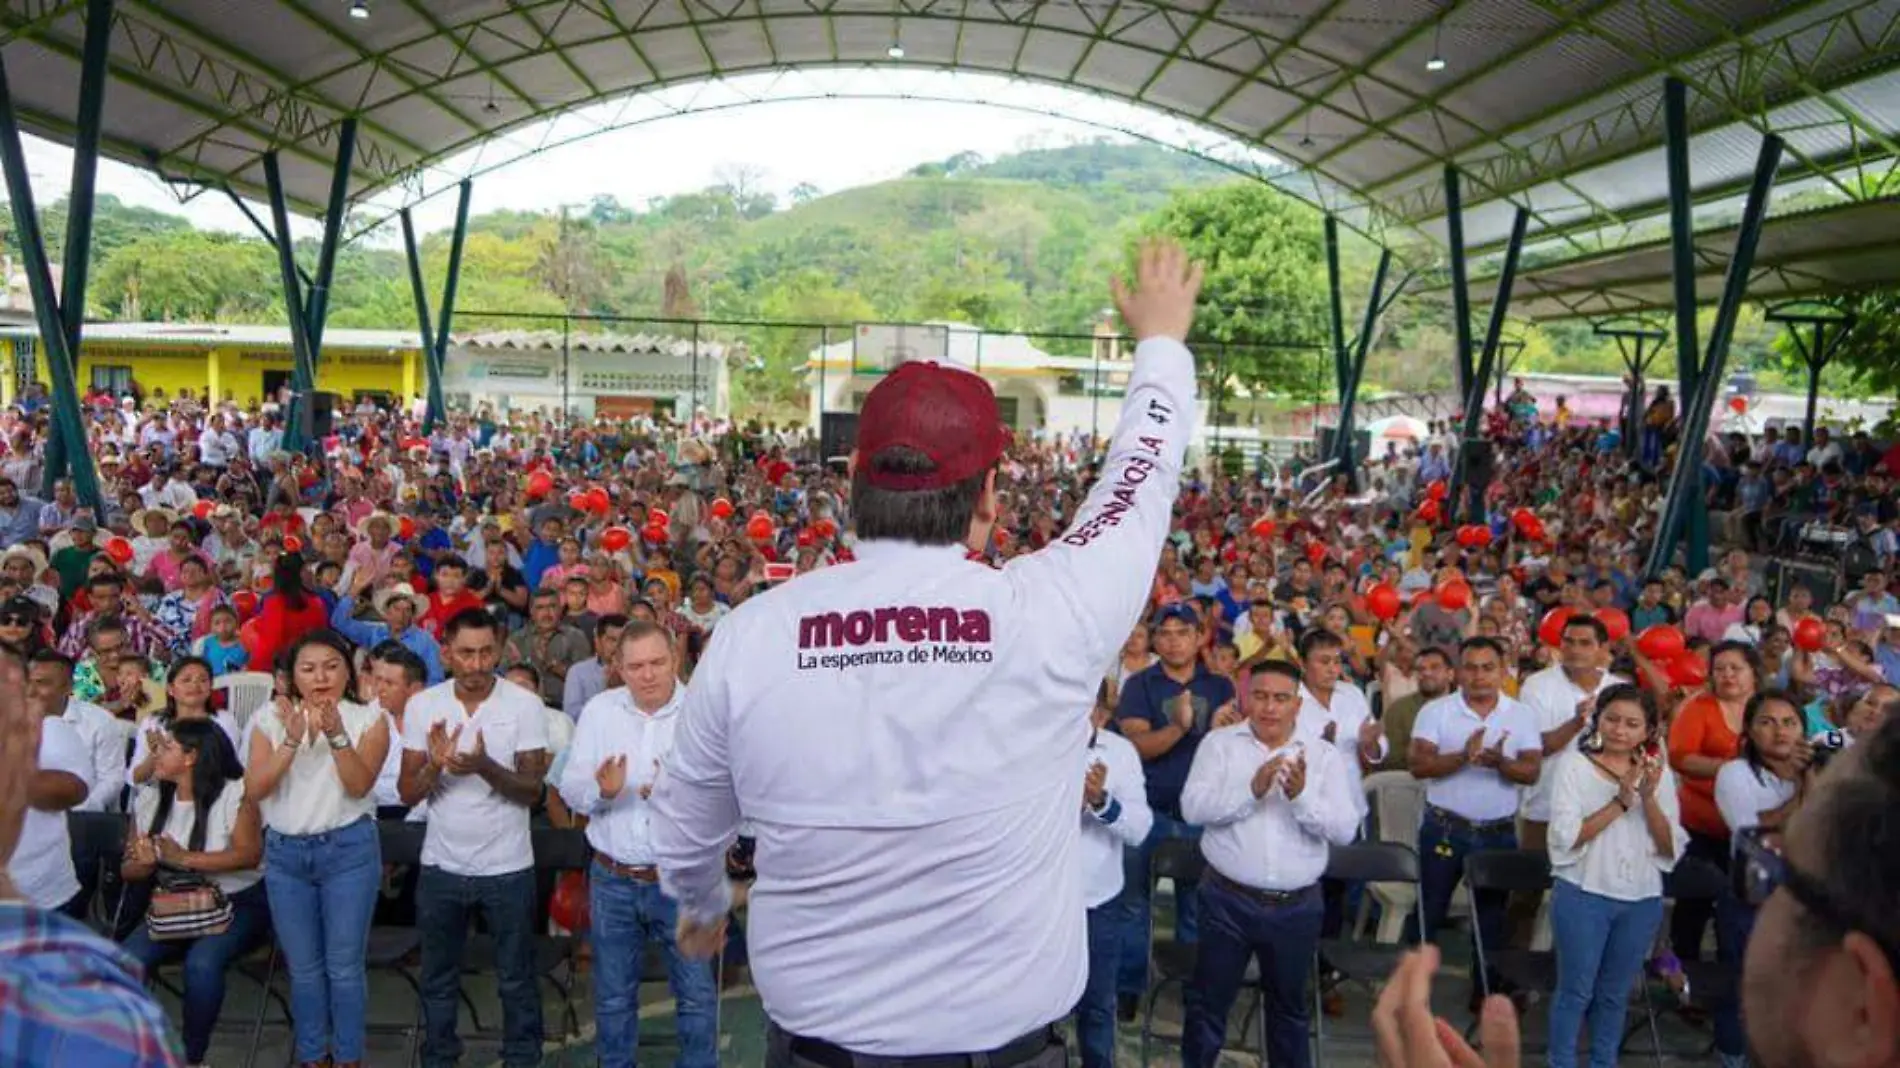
(946, 413)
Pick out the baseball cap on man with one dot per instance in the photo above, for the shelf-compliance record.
(1179, 610)
(944, 412)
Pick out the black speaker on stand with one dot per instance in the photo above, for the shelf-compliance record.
(837, 436)
(322, 415)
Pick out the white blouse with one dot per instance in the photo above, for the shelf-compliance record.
(1621, 862)
(1742, 794)
(222, 821)
(310, 798)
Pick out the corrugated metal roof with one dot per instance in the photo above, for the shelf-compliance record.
(555, 341)
(220, 335)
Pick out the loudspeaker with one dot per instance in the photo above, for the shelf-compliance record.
(837, 435)
(1361, 442)
(323, 408)
(1822, 577)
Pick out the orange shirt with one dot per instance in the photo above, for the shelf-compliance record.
(1701, 730)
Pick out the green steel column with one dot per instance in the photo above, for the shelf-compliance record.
(31, 245)
(1682, 273)
(317, 307)
(1685, 481)
(1341, 372)
(79, 205)
(296, 427)
(1343, 439)
(1487, 358)
(1460, 283)
(432, 388)
(457, 237)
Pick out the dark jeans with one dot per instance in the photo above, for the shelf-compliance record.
(1689, 921)
(1136, 910)
(206, 961)
(445, 906)
(1234, 928)
(1095, 1013)
(1734, 922)
(1442, 849)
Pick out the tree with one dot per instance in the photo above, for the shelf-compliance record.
(1865, 364)
(774, 386)
(804, 193)
(571, 267)
(1265, 282)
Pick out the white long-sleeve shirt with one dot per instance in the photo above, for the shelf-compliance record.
(1347, 712)
(106, 744)
(613, 726)
(1552, 697)
(1121, 823)
(1621, 862)
(1268, 842)
(904, 734)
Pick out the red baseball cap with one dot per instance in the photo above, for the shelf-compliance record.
(946, 413)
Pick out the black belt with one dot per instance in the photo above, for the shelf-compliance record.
(1275, 899)
(1018, 1051)
(1447, 816)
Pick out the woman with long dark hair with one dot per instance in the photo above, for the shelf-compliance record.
(187, 699)
(1614, 831)
(196, 819)
(291, 610)
(315, 755)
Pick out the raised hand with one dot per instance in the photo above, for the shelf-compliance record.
(140, 850)
(329, 718)
(1268, 774)
(611, 776)
(472, 761)
(1184, 711)
(1166, 285)
(1331, 734)
(296, 723)
(1228, 715)
(1293, 780)
(1474, 747)
(1095, 785)
(442, 743)
(1652, 777)
(1493, 755)
(1407, 1035)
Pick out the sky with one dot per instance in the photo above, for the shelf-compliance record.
(831, 129)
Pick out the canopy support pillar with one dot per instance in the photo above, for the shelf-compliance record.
(1682, 273)
(1685, 480)
(1830, 330)
(1460, 280)
(1375, 306)
(61, 315)
(1639, 347)
(315, 304)
(1342, 373)
(1470, 438)
(438, 357)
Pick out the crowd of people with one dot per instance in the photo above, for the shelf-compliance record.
(490, 626)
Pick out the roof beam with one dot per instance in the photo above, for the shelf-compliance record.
(379, 62)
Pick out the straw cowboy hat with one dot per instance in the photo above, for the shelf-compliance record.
(392, 594)
(139, 517)
(390, 520)
(30, 554)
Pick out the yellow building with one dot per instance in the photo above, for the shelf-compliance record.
(242, 362)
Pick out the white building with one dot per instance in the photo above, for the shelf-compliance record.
(613, 376)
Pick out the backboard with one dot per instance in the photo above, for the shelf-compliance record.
(878, 348)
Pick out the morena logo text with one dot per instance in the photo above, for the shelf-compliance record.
(908, 623)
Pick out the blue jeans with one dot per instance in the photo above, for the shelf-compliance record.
(1238, 927)
(1734, 922)
(445, 907)
(1442, 849)
(322, 891)
(1135, 910)
(206, 960)
(1601, 944)
(626, 915)
(1095, 1013)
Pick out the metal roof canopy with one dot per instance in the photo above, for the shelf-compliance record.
(1835, 249)
(1549, 104)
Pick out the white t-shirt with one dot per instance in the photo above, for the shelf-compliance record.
(42, 864)
(310, 798)
(1552, 698)
(184, 814)
(474, 831)
(388, 780)
(1742, 795)
(1475, 793)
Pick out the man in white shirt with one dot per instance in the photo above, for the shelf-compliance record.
(904, 734)
(42, 865)
(1561, 699)
(1272, 800)
(475, 748)
(618, 745)
(216, 445)
(1115, 818)
(1473, 748)
(49, 681)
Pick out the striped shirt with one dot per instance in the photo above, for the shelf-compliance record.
(68, 998)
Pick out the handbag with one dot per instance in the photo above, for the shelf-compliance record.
(186, 905)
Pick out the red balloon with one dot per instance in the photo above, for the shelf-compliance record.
(759, 527)
(598, 501)
(1428, 511)
(293, 543)
(245, 602)
(119, 550)
(1534, 530)
(1522, 518)
(614, 539)
(1382, 601)
(825, 530)
(1550, 630)
(202, 509)
(577, 501)
(1809, 634)
(1481, 536)
(1738, 405)
(568, 905)
(1615, 621)
(1315, 552)
(1661, 643)
(1264, 527)
(653, 534)
(540, 484)
(806, 539)
(248, 636)
(1437, 491)
(1454, 596)
(721, 508)
(657, 517)
(406, 528)
(1687, 672)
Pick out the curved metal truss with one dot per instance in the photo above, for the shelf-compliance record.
(1552, 105)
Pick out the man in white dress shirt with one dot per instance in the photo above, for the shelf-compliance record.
(1473, 748)
(623, 734)
(905, 734)
(49, 681)
(1273, 801)
(1561, 699)
(1115, 818)
(475, 748)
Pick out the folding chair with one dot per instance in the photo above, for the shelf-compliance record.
(244, 693)
(1510, 871)
(1179, 860)
(1711, 984)
(557, 957)
(97, 841)
(389, 947)
(1376, 864)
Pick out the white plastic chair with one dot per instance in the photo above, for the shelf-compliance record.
(1398, 807)
(245, 693)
